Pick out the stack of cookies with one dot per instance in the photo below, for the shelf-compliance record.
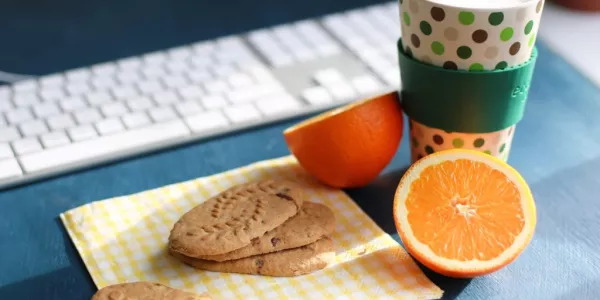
(264, 227)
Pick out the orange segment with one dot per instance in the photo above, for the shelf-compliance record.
(463, 213)
(349, 146)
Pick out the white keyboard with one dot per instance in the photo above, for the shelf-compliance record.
(79, 118)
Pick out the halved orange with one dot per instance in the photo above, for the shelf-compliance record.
(463, 213)
(350, 145)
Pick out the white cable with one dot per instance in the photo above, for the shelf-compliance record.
(13, 77)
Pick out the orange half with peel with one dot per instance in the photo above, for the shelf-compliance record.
(349, 146)
(463, 213)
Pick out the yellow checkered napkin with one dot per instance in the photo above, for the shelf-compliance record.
(124, 239)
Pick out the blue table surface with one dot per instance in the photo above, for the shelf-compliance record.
(556, 148)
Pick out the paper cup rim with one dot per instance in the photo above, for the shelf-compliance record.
(453, 4)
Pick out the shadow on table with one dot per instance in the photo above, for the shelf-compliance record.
(376, 199)
(72, 282)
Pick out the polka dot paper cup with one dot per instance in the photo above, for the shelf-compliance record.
(471, 35)
(425, 140)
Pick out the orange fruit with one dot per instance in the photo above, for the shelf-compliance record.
(463, 213)
(349, 146)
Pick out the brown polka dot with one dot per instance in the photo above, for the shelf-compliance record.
(438, 139)
(450, 65)
(514, 49)
(451, 34)
(415, 40)
(438, 14)
(491, 52)
(479, 36)
(538, 8)
(414, 7)
(521, 14)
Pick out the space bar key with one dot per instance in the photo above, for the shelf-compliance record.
(98, 148)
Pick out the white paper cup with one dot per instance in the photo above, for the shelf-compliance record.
(425, 140)
(470, 34)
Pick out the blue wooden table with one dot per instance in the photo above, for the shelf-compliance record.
(556, 148)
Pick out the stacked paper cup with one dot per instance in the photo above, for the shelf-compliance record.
(483, 36)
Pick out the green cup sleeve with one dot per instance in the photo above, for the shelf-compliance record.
(463, 101)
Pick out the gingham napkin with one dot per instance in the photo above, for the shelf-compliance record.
(124, 239)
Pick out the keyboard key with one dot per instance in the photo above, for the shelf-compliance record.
(252, 93)
(128, 64)
(160, 114)
(342, 91)
(277, 105)
(82, 133)
(136, 119)
(167, 97)
(5, 105)
(154, 58)
(191, 92)
(174, 81)
(213, 101)
(27, 85)
(61, 121)
(177, 67)
(9, 134)
(239, 80)
(2, 121)
(28, 145)
(87, 116)
(77, 88)
(242, 113)
(153, 71)
(188, 108)
(54, 139)
(392, 78)
(33, 128)
(149, 86)
(327, 77)
(317, 95)
(52, 93)
(139, 103)
(112, 144)
(128, 76)
(81, 74)
(207, 121)
(24, 99)
(179, 53)
(5, 151)
(46, 109)
(199, 76)
(201, 62)
(114, 109)
(18, 115)
(223, 70)
(72, 104)
(109, 126)
(216, 86)
(104, 70)
(103, 82)
(99, 98)
(203, 48)
(54, 80)
(9, 168)
(366, 84)
(123, 92)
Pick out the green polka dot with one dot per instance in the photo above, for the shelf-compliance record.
(501, 65)
(464, 52)
(425, 27)
(406, 19)
(476, 67)
(506, 34)
(531, 40)
(478, 143)
(466, 18)
(529, 27)
(428, 149)
(415, 142)
(496, 18)
(502, 148)
(487, 152)
(458, 143)
(437, 48)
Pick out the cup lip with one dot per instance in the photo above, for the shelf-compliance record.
(532, 58)
(504, 8)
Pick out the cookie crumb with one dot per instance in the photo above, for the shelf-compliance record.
(274, 241)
